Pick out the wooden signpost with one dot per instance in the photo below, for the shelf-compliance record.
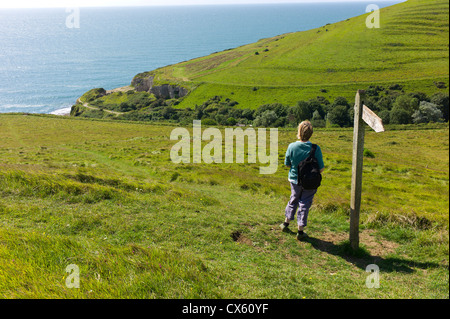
(362, 113)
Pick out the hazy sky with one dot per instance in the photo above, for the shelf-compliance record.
(98, 3)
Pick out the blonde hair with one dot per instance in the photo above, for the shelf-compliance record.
(305, 131)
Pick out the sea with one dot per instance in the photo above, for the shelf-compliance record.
(50, 57)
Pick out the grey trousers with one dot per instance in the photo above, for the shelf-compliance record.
(301, 199)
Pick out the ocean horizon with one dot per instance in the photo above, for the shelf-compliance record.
(46, 63)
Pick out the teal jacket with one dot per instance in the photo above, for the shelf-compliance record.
(297, 152)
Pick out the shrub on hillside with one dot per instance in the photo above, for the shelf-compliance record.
(340, 116)
(93, 94)
(440, 85)
(126, 107)
(442, 102)
(396, 87)
(427, 112)
(231, 121)
(302, 111)
(384, 116)
(340, 101)
(317, 120)
(209, 121)
(409, 103)
(399, 116)
(266, 119)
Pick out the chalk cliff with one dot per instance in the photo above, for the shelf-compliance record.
(165, 91)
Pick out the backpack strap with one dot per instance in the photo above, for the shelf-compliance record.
(313, 150)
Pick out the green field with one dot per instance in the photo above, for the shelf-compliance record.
(409, 48)
(105, 195)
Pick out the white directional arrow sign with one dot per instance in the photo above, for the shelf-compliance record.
(372, 120)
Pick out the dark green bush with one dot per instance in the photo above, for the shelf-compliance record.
(368, 153)
(340, 116)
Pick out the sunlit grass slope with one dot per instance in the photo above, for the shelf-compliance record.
(106, 196)
(410, 47)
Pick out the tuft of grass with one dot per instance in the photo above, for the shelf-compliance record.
(368, 153)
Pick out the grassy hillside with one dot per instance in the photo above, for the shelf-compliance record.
(104, 195)
(304, 72)
(410, 48)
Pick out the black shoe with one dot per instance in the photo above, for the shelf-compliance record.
(284, 227)
(301, 235)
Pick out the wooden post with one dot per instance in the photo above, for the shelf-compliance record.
(357, 166)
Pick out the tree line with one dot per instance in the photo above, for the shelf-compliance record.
(392, 104)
